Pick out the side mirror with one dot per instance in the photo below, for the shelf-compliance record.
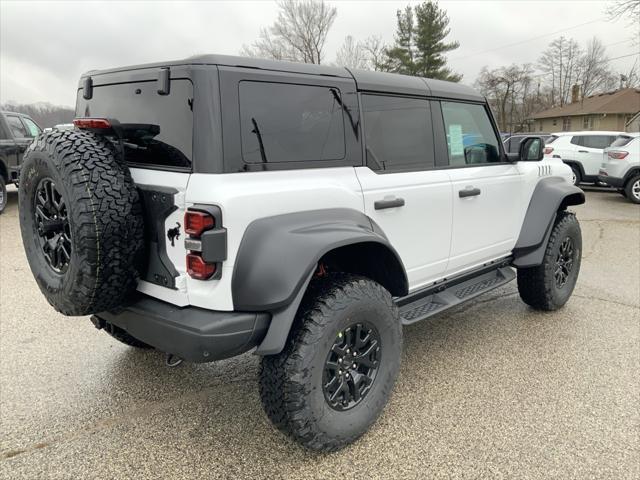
(531, 149)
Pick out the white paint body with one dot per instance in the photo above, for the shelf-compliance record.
(589, 158)
(436, 233)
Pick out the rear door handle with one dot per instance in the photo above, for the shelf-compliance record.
(468, 192)
(388, 203)
(583, 151)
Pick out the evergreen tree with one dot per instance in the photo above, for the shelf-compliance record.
(420, 43)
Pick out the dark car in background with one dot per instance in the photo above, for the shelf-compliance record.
(16, 133)
(512, 141)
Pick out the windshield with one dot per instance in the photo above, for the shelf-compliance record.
(155, 130)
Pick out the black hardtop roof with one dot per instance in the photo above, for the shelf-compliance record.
(365, 80)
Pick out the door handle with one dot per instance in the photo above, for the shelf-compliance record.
(388, 203)
(468, 192)
(583, 151)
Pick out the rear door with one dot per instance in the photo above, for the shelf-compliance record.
(486, 190)
(403, 193)
(590, 150)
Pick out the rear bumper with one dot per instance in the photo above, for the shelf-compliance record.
(191, 333)
(614, 182)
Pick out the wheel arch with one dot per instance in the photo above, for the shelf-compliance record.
(551, 195)
(279, 255)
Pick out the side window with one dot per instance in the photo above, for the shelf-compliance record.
(290, 123)
(578, 140)
(598, 141)
(16, 126)
(470, 136)
(33, 129)
(398, 133)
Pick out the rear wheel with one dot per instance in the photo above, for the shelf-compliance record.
(3, 194)
(632, 189)
(337, 371)
(548, 286)
(576, 176)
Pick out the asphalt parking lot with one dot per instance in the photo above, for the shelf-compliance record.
(491, 389)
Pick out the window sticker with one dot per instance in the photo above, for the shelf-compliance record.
(456, 140)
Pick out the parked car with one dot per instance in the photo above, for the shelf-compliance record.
(16, 133)
(582, 151)
(621, 166)
(215, 205)
(512, 142)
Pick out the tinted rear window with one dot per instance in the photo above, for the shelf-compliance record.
(398, 133)
(158, 129)
(290, 123)
(621, 141)
(551, 139)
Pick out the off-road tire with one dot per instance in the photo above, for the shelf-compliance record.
(537, 285)
(3, 194)
(628, 189)
(104, 216)
(291, 382)
(123, 337)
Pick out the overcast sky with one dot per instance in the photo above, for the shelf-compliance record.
(46, 45)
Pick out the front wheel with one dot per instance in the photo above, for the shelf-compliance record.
(337, 371)
(548, 286)
(632, 189)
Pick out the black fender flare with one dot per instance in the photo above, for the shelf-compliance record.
(278, 256)
(551, 195)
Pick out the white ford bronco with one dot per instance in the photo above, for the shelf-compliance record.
(216, 205)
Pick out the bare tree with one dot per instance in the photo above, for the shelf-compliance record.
(594, 71)
(560, 62)
(629, 10)
(298, 34)
(376, 52)
(352, 54)
(631, 77)
(507, 89)
(45, 114)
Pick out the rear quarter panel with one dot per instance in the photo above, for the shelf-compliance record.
(248, 196)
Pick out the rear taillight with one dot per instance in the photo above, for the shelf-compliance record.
(548, 150)
(199, 269)
(97, 123)
(616, 154)
(195, 222)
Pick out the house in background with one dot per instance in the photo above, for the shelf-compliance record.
(612, 111)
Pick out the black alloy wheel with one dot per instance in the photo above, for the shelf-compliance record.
(351, 366)
(564, 262)
(52, 223)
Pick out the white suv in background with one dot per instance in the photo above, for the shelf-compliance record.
(621, 166)
(582, 151)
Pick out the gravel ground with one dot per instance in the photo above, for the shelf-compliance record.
(491, 389)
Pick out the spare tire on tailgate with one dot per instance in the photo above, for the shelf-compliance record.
(81, 221)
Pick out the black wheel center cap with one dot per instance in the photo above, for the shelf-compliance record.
(351, 366)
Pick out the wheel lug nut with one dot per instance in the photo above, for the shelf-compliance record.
(354, 365)
(339, 360)
(348, 351)
(339, 372)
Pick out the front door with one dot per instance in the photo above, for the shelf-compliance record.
(403, 194)
(486, 190)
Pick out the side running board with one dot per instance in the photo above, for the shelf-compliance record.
(422, 306)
